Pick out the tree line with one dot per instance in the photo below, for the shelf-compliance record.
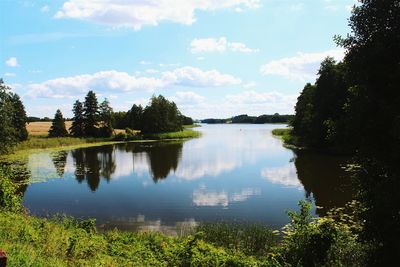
(354, 107)
(91, 119)
(275, 118)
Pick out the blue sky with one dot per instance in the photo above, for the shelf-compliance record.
(214, 58)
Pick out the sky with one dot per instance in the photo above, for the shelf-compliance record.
(213, 58)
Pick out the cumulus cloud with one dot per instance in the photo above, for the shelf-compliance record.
(302, 67)
(187, 98)
(136, 14)
(121, 82)
(218, 45)
(190, 76)
(12, 62)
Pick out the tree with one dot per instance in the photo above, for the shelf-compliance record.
(160, 116)
(106, 115)
(19, 119)
(57, 128)
(135, 117)
(12, 117)
(373, 61)
(91, 114)
(78, 121)
(7, 130)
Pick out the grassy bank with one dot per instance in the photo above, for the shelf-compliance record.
(287, 136)
(185, 134)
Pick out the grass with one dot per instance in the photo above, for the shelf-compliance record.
(287, 136)
(191, 126)
(174, 135)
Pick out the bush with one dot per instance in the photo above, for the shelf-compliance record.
(319, 242)
(10, 199)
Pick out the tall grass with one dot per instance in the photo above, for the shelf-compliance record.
(287, 136)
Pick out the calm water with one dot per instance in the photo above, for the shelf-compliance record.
(233, 172)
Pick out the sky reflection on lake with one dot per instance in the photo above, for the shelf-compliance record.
(231, 173)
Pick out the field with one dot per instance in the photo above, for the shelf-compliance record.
(43, 127)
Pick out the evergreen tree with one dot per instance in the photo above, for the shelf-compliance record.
(19, 119)
(134, 117)
(57, 128)
(77, 128)
(106, 115)
(91, 114)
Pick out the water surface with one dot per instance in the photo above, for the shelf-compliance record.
(232, 173)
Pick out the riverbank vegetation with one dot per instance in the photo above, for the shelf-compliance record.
(345, 112)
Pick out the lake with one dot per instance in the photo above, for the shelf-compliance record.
(235, 173)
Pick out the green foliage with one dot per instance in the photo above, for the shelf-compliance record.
(186, 120)
(134, 118)
(57, 128)
(10, 199)
(173, 135)
(12, 117)
(78, 128)
(106, 115)
(287, 136)
(91, 114)
(19, 118)
(161, 116)
(251, 239)
(318, 242)
(318, 121)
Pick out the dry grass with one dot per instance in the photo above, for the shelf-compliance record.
(43, 127)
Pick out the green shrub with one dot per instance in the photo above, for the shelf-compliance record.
(319, 242)
(10, 199)
(251, 239)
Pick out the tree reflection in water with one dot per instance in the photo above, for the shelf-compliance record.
(324, 176)
(59, 160)
(162, 157)
(93, 162)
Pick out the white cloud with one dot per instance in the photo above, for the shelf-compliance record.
(136, 14)
(12, 62)
(190, 76)
(10, 74)
(187, 98)
(45, 9)
(261, 98)
(249, 85)
(218, 45)
(303, 66)
(121, 82)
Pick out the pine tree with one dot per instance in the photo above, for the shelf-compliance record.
(77, 128)
(19, 118)
(106, 119)
(58, 127)
(91, 114)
